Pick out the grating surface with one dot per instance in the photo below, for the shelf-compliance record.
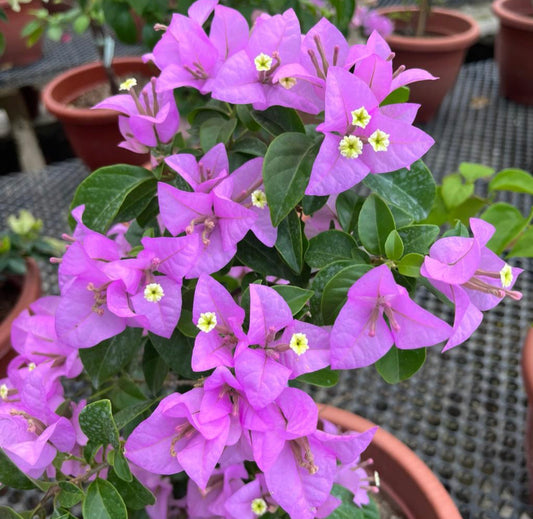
(58, 57)
(464, 412)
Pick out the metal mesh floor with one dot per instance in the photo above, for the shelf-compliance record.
(464, 412)
(58, 57)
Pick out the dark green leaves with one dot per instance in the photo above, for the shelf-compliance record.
(375, 224)
(96, 421)
(349, 510)
(323, 378)
(70, 494)
(106, 190)
(103, 501)
(11, 476)
(289, 242)
(398, 365)
(295, 297)
(110, 356)
(516, 180)
(286, 170)
(412, 190)
(277, 120)
(133, 493)
(330, 246)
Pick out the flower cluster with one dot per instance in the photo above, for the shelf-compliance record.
(248, 264)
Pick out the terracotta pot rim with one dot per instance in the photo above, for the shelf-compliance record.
(527, 364)
(414, 468)
(31, 290)
(457, 40)
(502, 9)
(57, 107)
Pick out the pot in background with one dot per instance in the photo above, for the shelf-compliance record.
(30, 290)
(93, 134)
(405, 478)
(527, 376)
(442, 53)
(513, 49)
(17, 53)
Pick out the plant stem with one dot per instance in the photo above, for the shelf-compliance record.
(99, 37)
(424, 8)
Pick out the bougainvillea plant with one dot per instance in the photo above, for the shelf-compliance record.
(198, 296)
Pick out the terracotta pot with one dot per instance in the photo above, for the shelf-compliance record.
(514, 44)
(30, 290)
(442, 53)
(93, 134)
(405, 478)
(527, 375)
(17, 53)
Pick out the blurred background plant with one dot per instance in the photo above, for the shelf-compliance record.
(23, 239)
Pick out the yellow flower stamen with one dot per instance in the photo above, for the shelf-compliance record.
(360, 117)
(153, 292)
(351, 146)
(379, 140)
(263, 62)
(3, 392)
(128, 84)
(31, 366)
(287, 82)
(259, 199)
(207, 321)
(259, 506)
(506, 276)
(299, 343)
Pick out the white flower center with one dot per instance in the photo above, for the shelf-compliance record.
(259, 506)
(299, 343)
(128, 84)
(3, 392)
(31, 366)
(360, 117)
(259, 199)
(153, 292)
(287, 82)
(263, 62)
(506, 276)
(379, 140)
(351, 146)
(207, 321)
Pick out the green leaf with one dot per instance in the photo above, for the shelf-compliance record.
(96, 421)
(289, 242)
(329, 246)
(394, 246)
(418, 238)
(454, 192)
(134, 493)
(398, 365)
(278, 120)
(70, 494)
(516, 180)
(265, 260)
(132, 413)
(344, 12)
(459, 229)
(81, 23)
(323, 378)
(120, 465)
(410, 264)
(348, 509)
(471, 207)
(155, 369)
(295, 297)
(250, 146)
(413, 190)
(105, 191)
(137, 201)
(103, 502)
(401, 218)
(310, 203)
(2, 43)
(348, 206)
(216, 130)
(176, 352)
(8, 513)
(524, 245)
(118, 16)
(110, 356)
(11, 476)
(375, 224)
(336, 290)
(286, 170)
(509, 223)
(400, 95)
(472, 172)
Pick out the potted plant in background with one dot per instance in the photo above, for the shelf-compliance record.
(93, 135)
(249, 266)
(20, 280)
(514, 39)
(434, 39)
(14, 49)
